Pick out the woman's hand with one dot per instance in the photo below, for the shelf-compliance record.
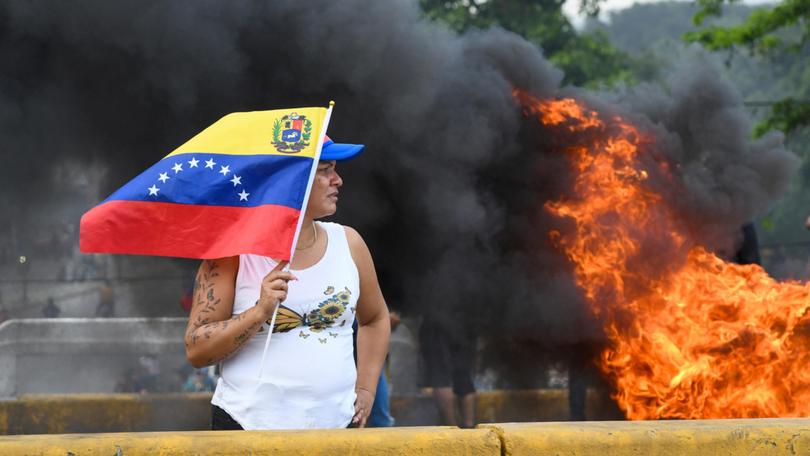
(362, 407)
(274, 288)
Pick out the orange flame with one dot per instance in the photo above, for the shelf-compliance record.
(702, 338)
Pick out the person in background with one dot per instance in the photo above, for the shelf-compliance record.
(51, 310)
(381, 410)
(3, 312)
(748, 253)
(579, 361)
(148, 375)
(448, 359)
(199, 380)
(126, 383)
(106, 301)
(187, 298)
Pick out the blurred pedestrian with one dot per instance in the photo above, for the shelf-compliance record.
(126, 383)
(3, 312)
(51, 310)
(106, 301)
(148, 375)
(186, 299)
(448, 359)
(381, 410)
(199, 380)
(748, 252)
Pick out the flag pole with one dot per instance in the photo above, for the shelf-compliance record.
(312, 170)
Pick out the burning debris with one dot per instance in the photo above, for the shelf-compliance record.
(698, 337)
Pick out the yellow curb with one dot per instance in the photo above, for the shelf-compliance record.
(780, 436)
(443, 441)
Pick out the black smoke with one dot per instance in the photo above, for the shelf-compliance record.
(725, 176)
(449, 193)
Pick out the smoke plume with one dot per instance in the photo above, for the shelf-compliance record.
(449, 193)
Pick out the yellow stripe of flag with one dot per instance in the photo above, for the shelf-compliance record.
(292, 132)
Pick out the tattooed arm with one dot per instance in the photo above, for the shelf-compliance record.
(212, 333)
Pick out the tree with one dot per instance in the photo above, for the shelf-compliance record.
(778, 35)
(588, 59)
(781, 31)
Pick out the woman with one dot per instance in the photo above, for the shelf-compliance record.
(309, 379)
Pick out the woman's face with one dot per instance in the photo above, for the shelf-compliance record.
(324, 194)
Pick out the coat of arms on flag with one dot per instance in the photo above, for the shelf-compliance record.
(225, 192)
(292, 133)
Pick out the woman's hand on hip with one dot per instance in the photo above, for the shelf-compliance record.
(274, 288)
(362, 407)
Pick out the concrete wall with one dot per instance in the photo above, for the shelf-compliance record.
(88, 355)
(142, 286)
(75, 355)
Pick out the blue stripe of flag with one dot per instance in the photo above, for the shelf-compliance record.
(222, 180)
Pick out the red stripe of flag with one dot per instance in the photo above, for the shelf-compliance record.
(188, 231)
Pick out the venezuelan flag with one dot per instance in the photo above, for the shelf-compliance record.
(237, 187)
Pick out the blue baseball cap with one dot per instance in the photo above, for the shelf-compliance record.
(339, 152)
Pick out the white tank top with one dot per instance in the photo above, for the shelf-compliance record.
(309, 373)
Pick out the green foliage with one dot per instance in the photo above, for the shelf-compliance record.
(764, 33)
(709, 8)
(759, 32)
(588, 59)
(767, 223)
(539, 21)
(787, 114)
(589, 7)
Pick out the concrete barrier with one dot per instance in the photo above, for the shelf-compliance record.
(79, 413)
(442, 441)
(617, 438)
(657, 438)
(501, 406)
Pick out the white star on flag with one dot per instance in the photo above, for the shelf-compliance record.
(243, 196)
(153, 190)
(237, 180)
(163, 177)
(210, 163)
(193, 162)
(225, 170)
(177, 168)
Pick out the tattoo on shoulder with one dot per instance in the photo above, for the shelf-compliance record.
(204, 287)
